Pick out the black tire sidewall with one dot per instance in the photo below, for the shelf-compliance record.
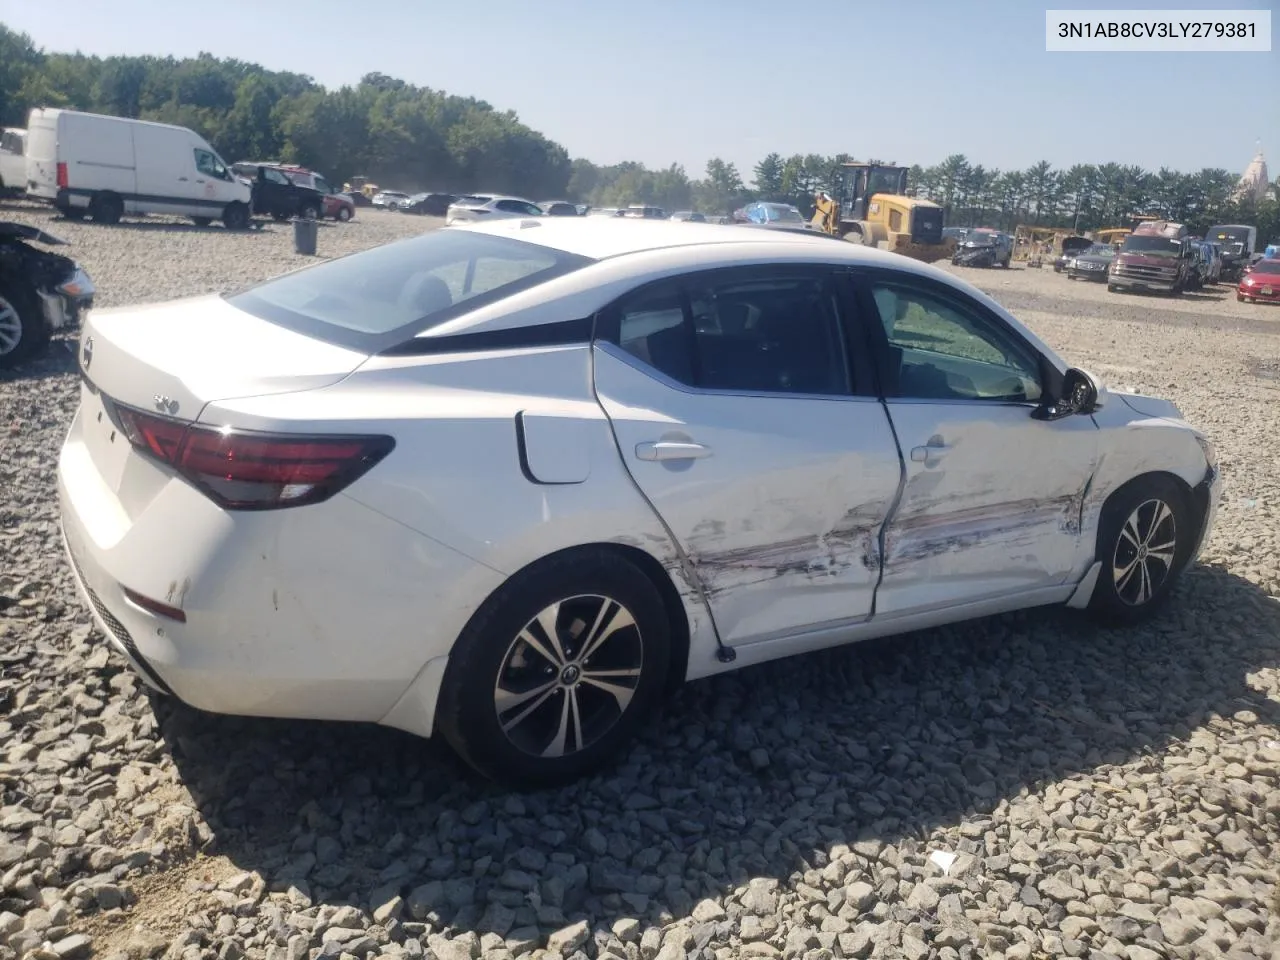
(1105, 602)
(466, 715)
(35, 332)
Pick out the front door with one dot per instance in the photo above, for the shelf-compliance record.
(993, 497)
(752, 430)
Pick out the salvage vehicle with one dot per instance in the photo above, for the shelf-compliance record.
(762, 211)
(984, 248)
(337, 205)
(107, 167)
(489, 207)
(390, 199)
(1261, 283)
(13, 161)
(41, 292)
(571, 462)
(1092, 264)
(1208, 264)
(428, 204)
(871, 207)
(1071, 247)
(274, 194)
(1156, 257)
(1239, 243)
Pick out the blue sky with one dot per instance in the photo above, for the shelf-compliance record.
(665, 81)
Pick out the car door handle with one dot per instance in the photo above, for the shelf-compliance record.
(182, 178)
(671, 450)
(928, 455)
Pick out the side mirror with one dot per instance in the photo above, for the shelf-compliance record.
(1079, 395)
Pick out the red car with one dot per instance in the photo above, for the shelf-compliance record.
(1261, 283)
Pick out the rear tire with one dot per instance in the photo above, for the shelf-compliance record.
(23, 332)
(310, 211)
(343, 214)
(106, 208)
(519, 702)
(1144, 540)
(236, 216)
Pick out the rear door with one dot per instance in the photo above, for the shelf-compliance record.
(750, 425)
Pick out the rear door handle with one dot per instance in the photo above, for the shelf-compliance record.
(671, 450)
(928, 455)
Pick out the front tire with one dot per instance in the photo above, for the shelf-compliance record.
(557, 670)
(23, 332)
(236, 216)
(1144, 539)
(343, 214)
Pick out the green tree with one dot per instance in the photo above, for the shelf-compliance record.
(768, 174)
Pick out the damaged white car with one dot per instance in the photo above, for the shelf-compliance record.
(510, 482)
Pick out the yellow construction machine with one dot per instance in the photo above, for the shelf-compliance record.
(872, 208)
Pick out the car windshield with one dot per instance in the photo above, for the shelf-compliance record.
(1154, 246)
(1100, 250)
(980, 236)
(1267, 266)
(371, 300)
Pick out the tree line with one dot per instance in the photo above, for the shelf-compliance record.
(416, 138)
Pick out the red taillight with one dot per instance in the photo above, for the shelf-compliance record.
(242, 470)
(63, 182)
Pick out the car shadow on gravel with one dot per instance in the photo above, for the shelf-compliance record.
(57, 361)
(754, 774)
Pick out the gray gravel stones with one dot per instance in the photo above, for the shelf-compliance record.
(1104, 793)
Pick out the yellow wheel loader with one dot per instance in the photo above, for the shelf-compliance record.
(872, 208)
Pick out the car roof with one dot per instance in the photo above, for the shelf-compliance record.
(602, 238)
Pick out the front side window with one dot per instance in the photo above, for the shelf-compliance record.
(760, 335)
(275, 176)
(209, 164)
(940, 348)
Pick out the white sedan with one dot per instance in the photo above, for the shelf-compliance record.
(512, 481)
(489, 207)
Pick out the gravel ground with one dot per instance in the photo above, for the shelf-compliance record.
(1025, 786)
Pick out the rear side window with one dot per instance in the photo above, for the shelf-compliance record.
(760, 335)
(375, 299)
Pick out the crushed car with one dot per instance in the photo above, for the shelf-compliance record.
(40, 292)
(984, 248)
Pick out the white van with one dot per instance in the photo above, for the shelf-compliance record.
(13, 160)
(110, 166)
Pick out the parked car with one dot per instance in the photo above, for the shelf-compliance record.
(389, 199)
(428, 204)
(358, 198)
(1156, 257)
(984, 248)
(1092, 264)
(558, 208)
(1239, 245)
(766, 212)
(603, 212)
(573, 465)
(642, 212)
(337, 205)
(1071, 248)
(41, 292)
(688, 216)
(1261, 283)
(13, 161)
(107, 167)
(276, 195)
(489, 207)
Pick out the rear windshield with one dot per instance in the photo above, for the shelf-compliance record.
(375, 299)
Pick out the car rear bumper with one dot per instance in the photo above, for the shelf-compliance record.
(326, 612)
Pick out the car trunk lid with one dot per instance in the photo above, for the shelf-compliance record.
(174, 358)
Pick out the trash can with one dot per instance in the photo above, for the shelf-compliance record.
(305, 233)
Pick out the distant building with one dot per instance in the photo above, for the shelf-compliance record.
(1255, 182)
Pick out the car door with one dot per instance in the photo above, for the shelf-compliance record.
(992, 501)
(751, 428)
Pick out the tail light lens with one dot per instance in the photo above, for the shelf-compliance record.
(244, 470)
(63, 182)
